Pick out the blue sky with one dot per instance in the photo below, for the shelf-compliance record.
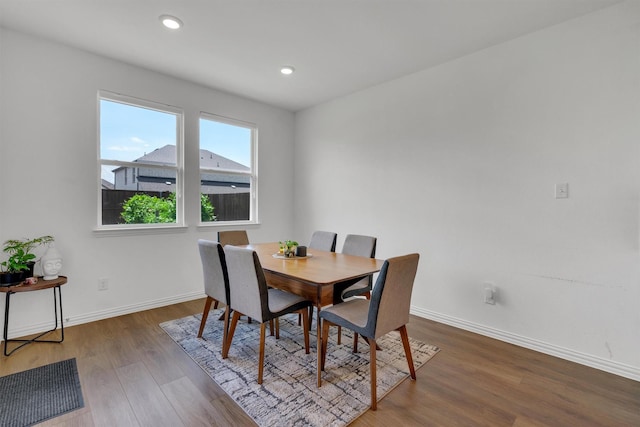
(128, 132)
(232, 142)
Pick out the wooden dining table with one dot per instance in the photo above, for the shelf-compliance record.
(319, 277)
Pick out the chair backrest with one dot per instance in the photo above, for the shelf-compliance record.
(214, 270)
(233, 237)
(323, 241)
(391, 296)
(355, 244)
(247, 284)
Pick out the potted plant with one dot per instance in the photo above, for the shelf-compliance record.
(288, 248)
(20, 261)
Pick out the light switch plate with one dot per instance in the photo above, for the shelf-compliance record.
(562, 190)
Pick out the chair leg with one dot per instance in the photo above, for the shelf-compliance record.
(271, 328)
(310, 317)
(205, 314)
(407, 350)
(372, 365)
(325, 340)
(305, 328)
(277, 327)
(232, 330)
(340, 335)
(263, 330)
(355, 342)
(225, 332)
(368, 343)
(222, 315)
(322, 350)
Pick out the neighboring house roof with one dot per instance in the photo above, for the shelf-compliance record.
(167, 154)
(157, 179)
(213, 160)
(106, 185)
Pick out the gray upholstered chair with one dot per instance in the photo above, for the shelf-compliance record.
(249, 295)
(355, 244)
(216, 282)
(323, 241)
(233, 237)
(388, 310)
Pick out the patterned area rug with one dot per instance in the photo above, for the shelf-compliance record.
(289, 395)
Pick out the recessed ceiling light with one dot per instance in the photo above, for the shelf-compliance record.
(287, 69)
(171, 22)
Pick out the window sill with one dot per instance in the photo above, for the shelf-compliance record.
(228, 225)
(132, 231)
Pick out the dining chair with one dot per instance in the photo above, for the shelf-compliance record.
(216, 282)
(323, 241)
(249, 295)
(233, 237)
(386, 311)
(359, 245)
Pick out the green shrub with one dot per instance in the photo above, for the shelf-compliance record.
(146, 209)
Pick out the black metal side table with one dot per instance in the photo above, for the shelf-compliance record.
(57, 305)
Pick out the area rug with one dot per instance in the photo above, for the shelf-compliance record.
(35, 395)
(289, 395)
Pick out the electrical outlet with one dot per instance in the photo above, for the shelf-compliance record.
(103, 284)
(489, 293)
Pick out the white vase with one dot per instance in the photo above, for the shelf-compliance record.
(51, 262)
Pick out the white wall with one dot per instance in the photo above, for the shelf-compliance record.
(459, 163)
(48, 176)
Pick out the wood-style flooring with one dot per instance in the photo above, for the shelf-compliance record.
(133, 374)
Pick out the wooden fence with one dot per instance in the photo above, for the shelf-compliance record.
(226, 207)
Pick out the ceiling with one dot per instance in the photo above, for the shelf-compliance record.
(336, 46)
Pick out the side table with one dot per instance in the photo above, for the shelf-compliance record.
(57, 304)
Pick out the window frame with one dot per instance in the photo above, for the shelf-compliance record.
(178, 168)
(252, 173)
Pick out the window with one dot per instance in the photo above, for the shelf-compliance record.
(227, 169)
(140, 146)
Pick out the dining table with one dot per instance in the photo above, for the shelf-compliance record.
(320, 276)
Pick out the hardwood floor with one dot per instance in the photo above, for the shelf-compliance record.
(133, 374)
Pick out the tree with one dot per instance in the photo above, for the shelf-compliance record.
(146, 209)
(206, 209)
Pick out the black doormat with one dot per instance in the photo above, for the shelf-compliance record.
(35, 395)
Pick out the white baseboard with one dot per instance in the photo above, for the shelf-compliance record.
(71, 320)
(616, 368)
(620, 369)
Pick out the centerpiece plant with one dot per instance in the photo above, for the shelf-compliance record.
(288, 248)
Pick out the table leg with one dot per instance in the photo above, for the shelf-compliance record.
(56, 312)
(6, 321)
(319, 345)
(310, 316)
